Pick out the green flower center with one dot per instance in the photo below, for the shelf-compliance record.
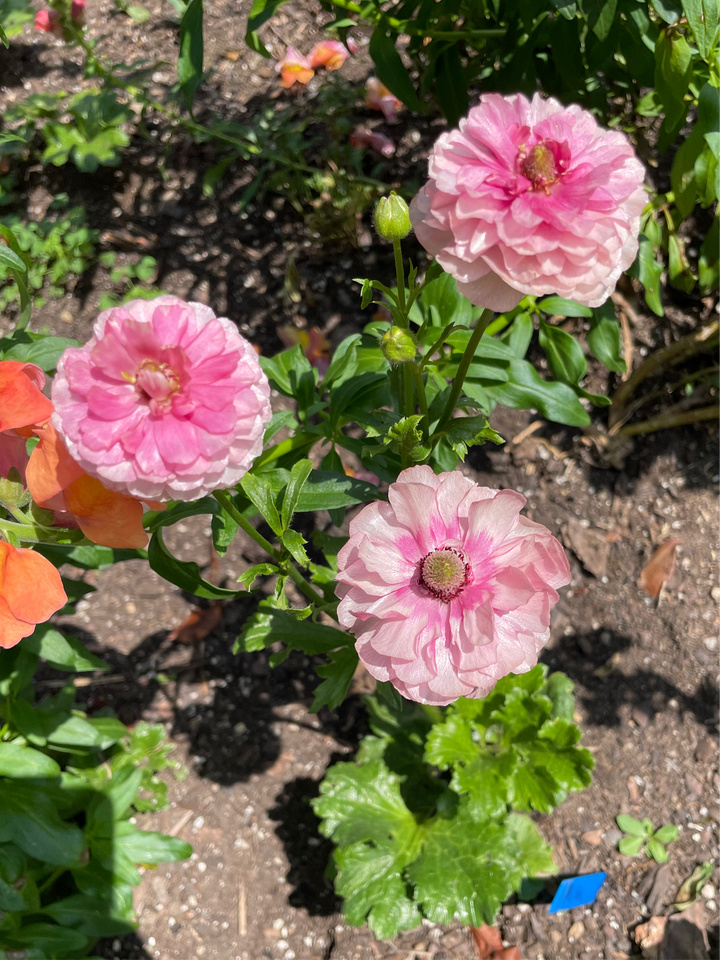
(444, 573)
(539, 166)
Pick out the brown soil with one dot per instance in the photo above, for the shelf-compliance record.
(645, 673)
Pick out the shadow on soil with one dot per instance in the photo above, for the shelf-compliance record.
(604, 691)
(228, 718)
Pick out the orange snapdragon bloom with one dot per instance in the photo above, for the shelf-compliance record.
(294, 68)
(330, 54)
(22, 402)
(31, 591)
(57, 482)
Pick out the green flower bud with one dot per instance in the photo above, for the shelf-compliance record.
(392, 218)
(398, 345)
(12, 490)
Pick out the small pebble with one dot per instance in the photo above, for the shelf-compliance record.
(202, 867)
(711, 644)
(576, 931)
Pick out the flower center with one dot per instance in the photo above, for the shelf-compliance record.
(538, 166)
(156, 383)
(444, 573)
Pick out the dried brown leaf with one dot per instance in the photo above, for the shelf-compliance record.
(489, 945)
(200, 623)
(660, 568)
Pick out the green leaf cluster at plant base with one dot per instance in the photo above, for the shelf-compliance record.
(410, 844)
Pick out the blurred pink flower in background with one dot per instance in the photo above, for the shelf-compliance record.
(330, 54)
(365, 137)
(294, 68)
(165, 402)
(49, 21)
(446, 587)
(378, 97)
(77, 11)
(531, 198)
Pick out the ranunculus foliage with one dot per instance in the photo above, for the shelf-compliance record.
(165, 402)
(446, 587)
(531, 198)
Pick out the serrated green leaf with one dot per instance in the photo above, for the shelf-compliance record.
(466, 870)
(248, 577)
(559, 687)
(363, 803)
(535, 853)
(374, 889)
(269, 625)
(405, 438)
(336, 675)
(485, 781)
(451, 743)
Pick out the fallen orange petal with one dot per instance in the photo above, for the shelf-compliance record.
(31, 591)
(21, 399)
(660, 568)
(107, 518)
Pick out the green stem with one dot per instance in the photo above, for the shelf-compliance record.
(467, 359)
(407, 384)
(422, 399)
(297, 578)
(51, 879)
(18, 514)
(34, 533)
(400, 273)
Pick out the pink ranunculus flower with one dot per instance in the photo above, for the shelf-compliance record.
(531, 198)
(165, 402)
(446, 587)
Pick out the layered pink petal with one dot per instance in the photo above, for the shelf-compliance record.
(438, 639)
(166, 401)
(531, 198)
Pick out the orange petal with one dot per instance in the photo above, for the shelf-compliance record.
(295, 72)
(108, 518)
(51, 469)
(21, 401)
(31, 590)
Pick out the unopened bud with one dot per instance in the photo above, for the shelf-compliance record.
(398, 345)
(392, 218)
(12, 489)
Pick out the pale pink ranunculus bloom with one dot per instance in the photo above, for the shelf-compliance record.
(378, 97)
(330, 54)
(531, 198)
(363, 136)
(165, 402)
(446, 587)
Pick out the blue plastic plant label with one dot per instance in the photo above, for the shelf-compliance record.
(577, 892)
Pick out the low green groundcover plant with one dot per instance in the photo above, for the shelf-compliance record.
(431, 818)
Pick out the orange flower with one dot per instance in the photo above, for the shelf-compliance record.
(330, 54)
(294, 68)
(57, 482)
(31, 591)
(21, 401)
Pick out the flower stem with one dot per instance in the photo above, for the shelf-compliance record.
(400, 273)
(463, 368)
(297, 578)
(422, 399)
